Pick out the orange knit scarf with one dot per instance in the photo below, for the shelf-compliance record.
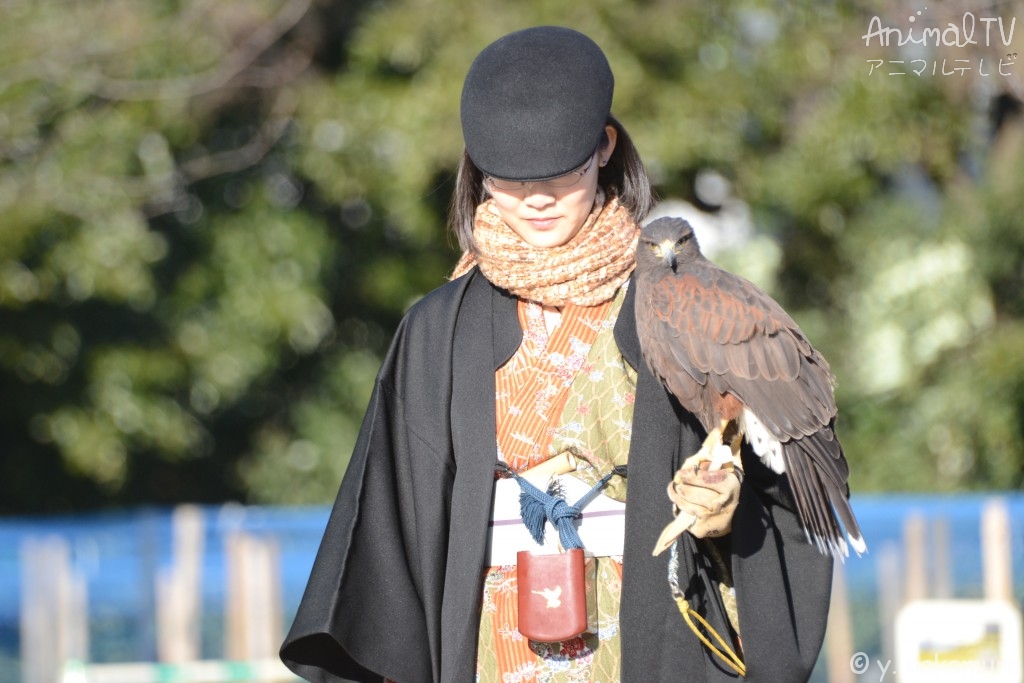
(585, 271)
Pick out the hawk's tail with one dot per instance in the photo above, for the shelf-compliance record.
(818, 477)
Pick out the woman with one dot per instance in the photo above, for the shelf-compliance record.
(529, 355)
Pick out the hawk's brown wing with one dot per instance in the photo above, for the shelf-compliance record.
(728, 334)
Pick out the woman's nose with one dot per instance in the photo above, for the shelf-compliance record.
(539, 194)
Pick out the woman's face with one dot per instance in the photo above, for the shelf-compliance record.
(548, 216)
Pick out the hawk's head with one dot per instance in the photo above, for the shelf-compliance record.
(666, 242)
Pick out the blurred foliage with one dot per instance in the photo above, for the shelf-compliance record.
(213, 214)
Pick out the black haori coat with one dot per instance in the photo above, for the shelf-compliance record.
(397, 584)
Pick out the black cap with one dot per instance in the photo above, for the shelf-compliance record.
(535, 103)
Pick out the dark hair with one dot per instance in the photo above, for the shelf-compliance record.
(623, 176)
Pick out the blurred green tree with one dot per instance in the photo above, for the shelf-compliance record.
(214, 214)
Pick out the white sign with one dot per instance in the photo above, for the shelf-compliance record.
(959, 641)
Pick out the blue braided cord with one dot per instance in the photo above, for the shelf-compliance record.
(536, 507)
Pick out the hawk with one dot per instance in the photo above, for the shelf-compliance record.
(734, 358)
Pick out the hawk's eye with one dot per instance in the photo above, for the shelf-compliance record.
(684, 239)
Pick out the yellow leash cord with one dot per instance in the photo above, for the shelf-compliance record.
(728, 656)
(726, 653)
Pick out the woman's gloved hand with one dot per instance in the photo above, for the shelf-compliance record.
(709, 496)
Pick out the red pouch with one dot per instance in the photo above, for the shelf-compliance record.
(552, 595)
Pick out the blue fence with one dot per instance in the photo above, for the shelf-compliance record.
(119, 553)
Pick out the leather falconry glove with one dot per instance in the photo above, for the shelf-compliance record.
(709, 496)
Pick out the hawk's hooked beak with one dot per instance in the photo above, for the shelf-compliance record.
(667, 251)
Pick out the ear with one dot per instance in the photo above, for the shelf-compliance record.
(612, 133)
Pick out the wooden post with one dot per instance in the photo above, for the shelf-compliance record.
(253, 619)
(149, 567)
(995, 549)
(839, 632)
(942, 566)
(914, 543)
(54, 610)
(179, 590)
(37, 617)
(889, 596)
